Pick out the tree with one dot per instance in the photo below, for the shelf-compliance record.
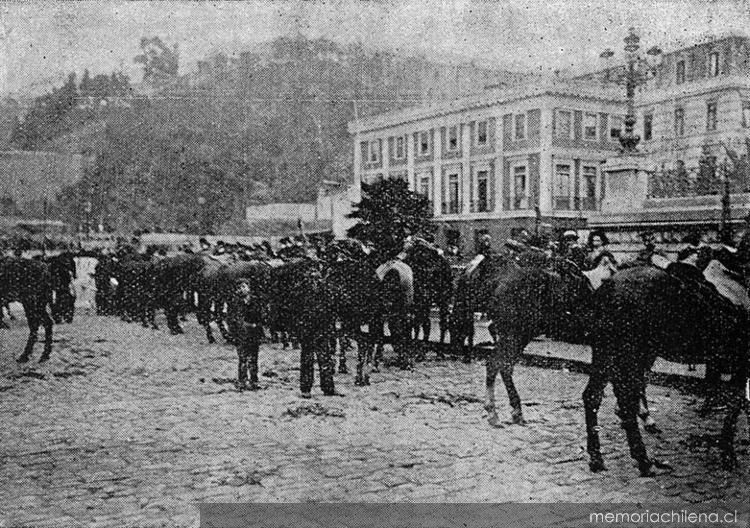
(159, 61)
(388, 213)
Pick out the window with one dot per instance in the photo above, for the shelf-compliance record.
(564, 124)
(374, 155)
(713, 64)
(590, 127)
(746, 114)
(648, 123)
(615, 127)
(711, 116)
(424, 143)
(400, 154)
(481, 133)
(679, 122)
(482, 191)
(562, 186)
(453, 138)
(453, 193)
(680, 72)
(520, 200)
(588, 200)
(520, 126)
(424, 185)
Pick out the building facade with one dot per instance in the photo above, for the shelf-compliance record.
(533, 153)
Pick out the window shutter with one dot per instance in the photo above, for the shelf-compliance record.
(391, 152)
(577, 125)
(506, 183)
(533, 124)
(443, 141)
(363, 152)
(603, 128)
(726, 64)
(533, 180)
(491, 132)
(443, 192)
(472, 198)
(491, 186)
(472, 134)
(576, 184)
(380, 153)
(507, 130)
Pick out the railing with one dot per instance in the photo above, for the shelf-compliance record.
(705, 180)
(450, 208)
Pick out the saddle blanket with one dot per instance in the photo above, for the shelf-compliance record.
(404, 272)
(720, 277)
(475, 262)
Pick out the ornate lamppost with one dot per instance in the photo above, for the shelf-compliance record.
(637, 72)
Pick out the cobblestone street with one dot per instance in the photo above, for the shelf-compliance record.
(132, 427)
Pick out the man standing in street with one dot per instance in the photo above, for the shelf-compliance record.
(246, 324)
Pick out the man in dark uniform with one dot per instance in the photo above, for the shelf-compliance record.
(245, 312)
(649, 249)
(317, 331)
(572, 250)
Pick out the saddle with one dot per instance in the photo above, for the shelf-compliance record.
(714, 285)
(405, 273)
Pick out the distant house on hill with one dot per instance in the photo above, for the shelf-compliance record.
(29, 177)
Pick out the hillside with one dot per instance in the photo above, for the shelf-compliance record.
(263, 125)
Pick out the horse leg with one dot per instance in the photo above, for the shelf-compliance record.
(627, 388)
(203, 315)
(468, 351)
(508, 355)
(592, 400)
(364, 358)
(649, 425)
(32, 319)
(47, 322)
(739, 400)
(427, 329)
(711, 385)
(444, 324)
(172, 322)
(344, 346)
(493, 365)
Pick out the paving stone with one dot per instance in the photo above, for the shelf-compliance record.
(133, 438)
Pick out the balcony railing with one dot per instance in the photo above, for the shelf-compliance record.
(450, 208)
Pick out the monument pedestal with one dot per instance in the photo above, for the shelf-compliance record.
(626, 183)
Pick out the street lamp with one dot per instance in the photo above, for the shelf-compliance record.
(639, 70)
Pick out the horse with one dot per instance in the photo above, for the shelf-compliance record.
(433, 286)
(104, 298)
(30, 283)
(646, 312)
(528, 300)
(176, 279)
(364, 291)
(62, 268)
(473, 292)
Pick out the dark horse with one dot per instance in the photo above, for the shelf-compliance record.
(175, 279)
(62, 269)
(365, 294)
(525, 300)
(433, 286)
(644, 313)
(29, 282)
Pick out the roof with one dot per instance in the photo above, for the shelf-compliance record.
(491, 97)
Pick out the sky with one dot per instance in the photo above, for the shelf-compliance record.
(42, 41)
